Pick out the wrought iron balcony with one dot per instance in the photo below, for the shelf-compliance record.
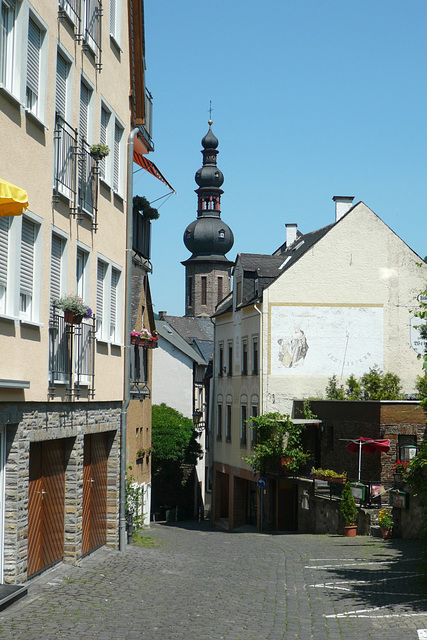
(71, 355)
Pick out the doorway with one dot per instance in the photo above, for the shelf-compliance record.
(95, 477)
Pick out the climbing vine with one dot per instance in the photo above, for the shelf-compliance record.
(134, 499)
(276, 437)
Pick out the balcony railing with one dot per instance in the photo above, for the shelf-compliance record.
(71, 355)
(139, 372)
(70, 9)
(91, 33)
(65, 144)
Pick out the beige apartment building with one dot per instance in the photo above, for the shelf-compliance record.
(71, 76)
(336, 301)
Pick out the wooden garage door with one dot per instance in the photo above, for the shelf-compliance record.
(95, 492)
(46, 497)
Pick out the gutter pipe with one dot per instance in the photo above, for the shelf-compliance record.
(128, 296)
(260, 356)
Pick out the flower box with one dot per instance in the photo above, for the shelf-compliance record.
(72, 318)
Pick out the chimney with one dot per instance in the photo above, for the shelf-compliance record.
(291, 233)
(342, 205)
(162, 315)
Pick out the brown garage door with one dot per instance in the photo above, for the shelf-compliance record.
(95, 491)
(46, 498)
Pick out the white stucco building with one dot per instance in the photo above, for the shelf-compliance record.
(336, 301)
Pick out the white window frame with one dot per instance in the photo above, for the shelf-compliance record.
(116, 157)
(7, 44)
(32, 311)
(108, 324)
(10, 294)
(38, 110)
(12, 86)
(63, 276)
(82, 287)
(61, 51)
(116, 21)
(90, 109)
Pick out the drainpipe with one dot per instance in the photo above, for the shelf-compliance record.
(127, 330)
(261, 337)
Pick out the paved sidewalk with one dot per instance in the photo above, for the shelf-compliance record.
(195, 584)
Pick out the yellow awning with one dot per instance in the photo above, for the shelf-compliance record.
(13, 200)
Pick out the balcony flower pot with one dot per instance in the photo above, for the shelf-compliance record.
(350, 530)
(74, 309)
(72, 318)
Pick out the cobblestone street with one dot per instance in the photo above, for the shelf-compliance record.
(189, 582)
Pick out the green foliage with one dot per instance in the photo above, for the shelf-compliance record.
(373, 385)
(134, 498)
(353, 389)
(333, 390)
(421, 386)
(348, 507)
(142, 205)
(173, 437)
(277, 437)
(327, 473)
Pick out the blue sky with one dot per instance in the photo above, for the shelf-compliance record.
(310, 98)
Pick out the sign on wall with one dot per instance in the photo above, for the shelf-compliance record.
(325, 340)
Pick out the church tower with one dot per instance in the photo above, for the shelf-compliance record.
(207, 271)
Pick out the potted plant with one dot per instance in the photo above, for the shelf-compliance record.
(400, 469)
(99, 151)
(140, 454)
(349, 511)
(74, 309)
(385, 519)
(142, 205)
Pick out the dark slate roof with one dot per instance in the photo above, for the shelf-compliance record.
(192, 328)
(206, 348)
(168, 333)
(266, 268)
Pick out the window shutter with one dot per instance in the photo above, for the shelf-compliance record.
(33, 56)
(100, 280)
(28, 238)
(4, 249)
(116, 169)
(55, 267)
(84, 111)
(113, 17)
(105, 116)
(61, 86)
(115, 275)
(80, 266)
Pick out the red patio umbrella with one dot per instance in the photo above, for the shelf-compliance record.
(367, 445)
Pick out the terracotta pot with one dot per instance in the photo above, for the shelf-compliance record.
(350, 530)
(386, 532)
(71, 318)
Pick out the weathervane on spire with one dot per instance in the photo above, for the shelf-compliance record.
(210, 112)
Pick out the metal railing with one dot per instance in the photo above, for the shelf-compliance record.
(71, 355)
(65, 145)
(70, 9)
(91, 34)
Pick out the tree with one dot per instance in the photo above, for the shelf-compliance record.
(276, 437)
(333, 391)
(173, 437)
(348, 507)
(353, 389)
(373, 385)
